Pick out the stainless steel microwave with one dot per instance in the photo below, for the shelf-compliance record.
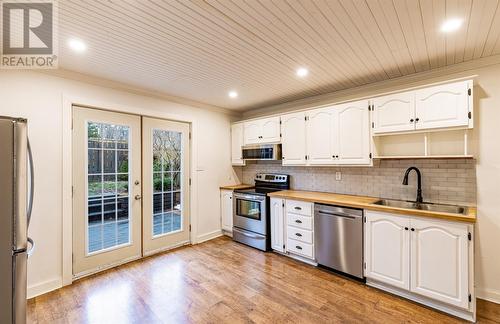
(262, 152)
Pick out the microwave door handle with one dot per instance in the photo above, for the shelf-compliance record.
(32, 182)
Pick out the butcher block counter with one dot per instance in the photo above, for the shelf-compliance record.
(364, 202)
(237, 187)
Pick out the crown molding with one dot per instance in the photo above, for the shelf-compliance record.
(81, 77)
(443, 74)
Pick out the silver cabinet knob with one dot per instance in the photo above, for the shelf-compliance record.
(138, 197)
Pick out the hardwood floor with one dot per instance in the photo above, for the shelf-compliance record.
(223, 281)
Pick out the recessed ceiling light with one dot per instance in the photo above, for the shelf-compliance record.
(302, 72)
(233, 94)
(77, 45)
(451, 25)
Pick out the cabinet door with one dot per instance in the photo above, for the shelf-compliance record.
(320, 128)
(236, 144)
(226, 199)
(251, 132)
(439, 261)
(353, 133)
(270, 130)
(387, 249)
(277, 225)
(394, 113)
(293, 129)
(442, 106)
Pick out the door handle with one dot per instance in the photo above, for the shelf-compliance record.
(32, 248)
(137, 197)
(32, 182)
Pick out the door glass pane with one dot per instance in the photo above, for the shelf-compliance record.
(167, 157)
(108, 213)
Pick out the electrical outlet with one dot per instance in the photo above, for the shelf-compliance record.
(338, 176)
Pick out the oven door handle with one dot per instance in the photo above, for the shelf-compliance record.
(258, 237)
(253, 198)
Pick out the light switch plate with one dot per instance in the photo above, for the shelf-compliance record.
(338, 176)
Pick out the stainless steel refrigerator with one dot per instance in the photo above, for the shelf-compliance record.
(16, 201)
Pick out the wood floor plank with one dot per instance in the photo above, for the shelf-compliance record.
(221, 281)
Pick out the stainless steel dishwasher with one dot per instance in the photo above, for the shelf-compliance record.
(338, 233)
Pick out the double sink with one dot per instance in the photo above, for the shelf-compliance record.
(423, 206)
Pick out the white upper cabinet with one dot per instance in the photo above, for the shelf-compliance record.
(352, 130)
(387, 249)
(266, 130)
(439, 261)
(394, 113)
(236, 144)
(252, 131)
(277, 225)
(293, 129)
(320, 138)
(442, 106)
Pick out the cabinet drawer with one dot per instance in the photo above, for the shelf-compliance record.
(300, 221)
(299, 207)
(300, 234)
(300, 248)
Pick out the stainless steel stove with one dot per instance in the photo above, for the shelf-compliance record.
(251, 214)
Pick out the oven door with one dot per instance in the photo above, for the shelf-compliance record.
(249, 213)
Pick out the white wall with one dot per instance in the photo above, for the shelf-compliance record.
(39, 98)
(486, 137)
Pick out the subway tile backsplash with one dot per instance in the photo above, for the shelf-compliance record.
(443, 180)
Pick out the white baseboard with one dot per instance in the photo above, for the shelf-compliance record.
(44, 287)
(488, 294)
(208, 236)
(227, 233)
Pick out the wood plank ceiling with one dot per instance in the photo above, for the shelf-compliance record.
(201, 49)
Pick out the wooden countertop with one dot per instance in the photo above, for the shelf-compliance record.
(236, 187)
(368, 203)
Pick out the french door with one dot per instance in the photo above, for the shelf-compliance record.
(165, 202)
(130, 187)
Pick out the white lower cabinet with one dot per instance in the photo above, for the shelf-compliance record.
(226, 207)
(424, 257)
(297, 247)
(299, 228)
(439, 261)
(292, 225)
(387, 250)
(277, 224)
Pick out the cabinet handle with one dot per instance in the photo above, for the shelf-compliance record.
(298, 208)
(298, 221)
(406, 228)
(298, 247)
(298, 234)
(411, 120)
(416, 120)
(413, 230)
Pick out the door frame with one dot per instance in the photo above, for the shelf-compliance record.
(68, 101)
